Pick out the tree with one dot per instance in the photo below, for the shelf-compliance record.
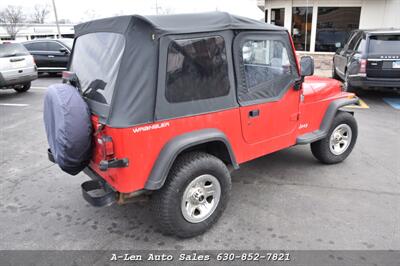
(64, 21)
(40, 12)
(12, 18)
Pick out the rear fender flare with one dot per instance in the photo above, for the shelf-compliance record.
(179, 144)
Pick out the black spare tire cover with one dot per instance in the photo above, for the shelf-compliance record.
(68, 127)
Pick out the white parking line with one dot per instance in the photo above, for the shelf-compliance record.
(14, 104)
(39, 88)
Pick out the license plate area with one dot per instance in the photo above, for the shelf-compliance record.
(19, 64)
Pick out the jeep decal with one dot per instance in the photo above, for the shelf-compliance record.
(305, 125)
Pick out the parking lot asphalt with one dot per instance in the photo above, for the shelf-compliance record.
(286, 200)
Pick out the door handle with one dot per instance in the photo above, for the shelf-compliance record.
(50, 56)
(254, 113)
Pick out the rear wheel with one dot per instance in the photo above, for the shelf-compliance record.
(194, 195)
(23, 88)
(339, 142)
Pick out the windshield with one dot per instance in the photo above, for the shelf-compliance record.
(384, 44)
(96, 57)
(12, 49)
(68, 42)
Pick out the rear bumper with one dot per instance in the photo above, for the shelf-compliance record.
(17, 80)
(96, 191)
(364, 81)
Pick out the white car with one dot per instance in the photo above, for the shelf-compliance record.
(17, 67)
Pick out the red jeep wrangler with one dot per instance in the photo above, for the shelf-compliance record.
(165, 105)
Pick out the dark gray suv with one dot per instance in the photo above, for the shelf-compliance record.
(370, 58)
(51, 55)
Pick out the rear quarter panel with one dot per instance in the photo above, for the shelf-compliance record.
(142, 145)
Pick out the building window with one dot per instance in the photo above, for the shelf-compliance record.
(278, 16)
(266, 15)
(334, 24)
(301, 27)
(197, 69)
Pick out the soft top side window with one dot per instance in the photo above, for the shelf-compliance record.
(197, 69)
(97, 56)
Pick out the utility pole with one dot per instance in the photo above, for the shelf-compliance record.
(156, 7)
(55, 13)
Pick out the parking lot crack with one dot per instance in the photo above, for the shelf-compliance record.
(338, 188)
(20, 179)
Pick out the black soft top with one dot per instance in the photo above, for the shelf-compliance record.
(135, 89)
(176, 24)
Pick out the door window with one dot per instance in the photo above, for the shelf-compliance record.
(354, 41)
(53, 46)
(36, 46)
(268, 69)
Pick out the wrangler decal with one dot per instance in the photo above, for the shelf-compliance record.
(151, 127)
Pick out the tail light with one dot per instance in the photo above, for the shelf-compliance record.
(106, 146)
(363, 66)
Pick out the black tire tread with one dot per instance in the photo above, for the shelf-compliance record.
(320, 149)
(25, 88)
(171, 189)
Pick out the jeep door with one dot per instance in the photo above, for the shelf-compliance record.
(266, 73)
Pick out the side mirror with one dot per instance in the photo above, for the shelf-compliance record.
(306, 66)
(64, 50)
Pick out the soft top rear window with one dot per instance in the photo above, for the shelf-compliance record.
(384, 44)
(12, 49)
(97, 57)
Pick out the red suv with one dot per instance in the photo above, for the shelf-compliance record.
(166, 105)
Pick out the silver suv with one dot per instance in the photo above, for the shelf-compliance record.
(17, 67)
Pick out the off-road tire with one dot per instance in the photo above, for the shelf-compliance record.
(24, 88)
(166, 202)
(321, 149)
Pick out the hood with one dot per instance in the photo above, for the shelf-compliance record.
(319, 88)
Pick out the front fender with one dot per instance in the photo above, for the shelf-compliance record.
(326, 123)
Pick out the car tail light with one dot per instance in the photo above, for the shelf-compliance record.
(67, 75)
(106, 146)
(363, 66)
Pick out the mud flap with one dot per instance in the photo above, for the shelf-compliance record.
(98, 194)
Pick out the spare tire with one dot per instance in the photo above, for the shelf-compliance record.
(68, 127)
